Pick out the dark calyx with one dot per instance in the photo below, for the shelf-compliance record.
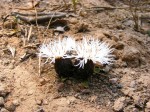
(83, 73)
(63, 67)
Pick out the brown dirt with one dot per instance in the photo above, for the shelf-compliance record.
(124, 88)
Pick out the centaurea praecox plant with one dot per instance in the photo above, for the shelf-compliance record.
(90, 52)
(57, 52)
(87, 53)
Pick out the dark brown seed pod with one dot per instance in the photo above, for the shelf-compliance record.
(83, 73)
(63, 67)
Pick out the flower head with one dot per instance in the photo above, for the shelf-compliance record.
(93, 49)
(57, 48)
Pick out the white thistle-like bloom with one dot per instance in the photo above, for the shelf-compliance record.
(87, 49)
(57, 48)
(93, 49)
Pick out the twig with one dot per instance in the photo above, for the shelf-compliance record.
(39, 19)
(32, 45)
(39, 13)
(48, 25)
(105, 8)
(26, 56)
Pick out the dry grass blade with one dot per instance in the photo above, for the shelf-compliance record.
(39, 65)
(30, 32)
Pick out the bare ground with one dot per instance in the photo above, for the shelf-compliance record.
(124, 87)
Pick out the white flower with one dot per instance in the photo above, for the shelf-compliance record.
(93, 49)
(57, 48)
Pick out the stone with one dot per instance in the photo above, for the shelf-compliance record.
(2, 101)
(3, 91)
(107, 68)
(147, 109)
(73, 20)
(78, 96)
(85, 91)
(119, 104)
(43, 81)
(10, 106)
(131, 55)
(39, 101)
(148, 105)
(113, 80)
(120, 45)
(115, 38)
(11, 66)
(45, 102)
(30, 92)
(119, 86)
(61, 87)
(16, 102)
(93, 98)
(72, 99)
(2, 78)
(69, 82)
(4, 110)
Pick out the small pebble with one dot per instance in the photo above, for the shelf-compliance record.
(43, 81)
(61, 87)
(69, 82)
(10, 106)
(113, 80)
(85, 91)
(4, 110)
(93, 98)
(73, 20)
(1, 101)
(148, 104)
(78, 96)
(119, 86)
(30, 92)
(2, 78)
(16, 102)
(3, 91)
(11, 66)
(45, 102)
(38, 101)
